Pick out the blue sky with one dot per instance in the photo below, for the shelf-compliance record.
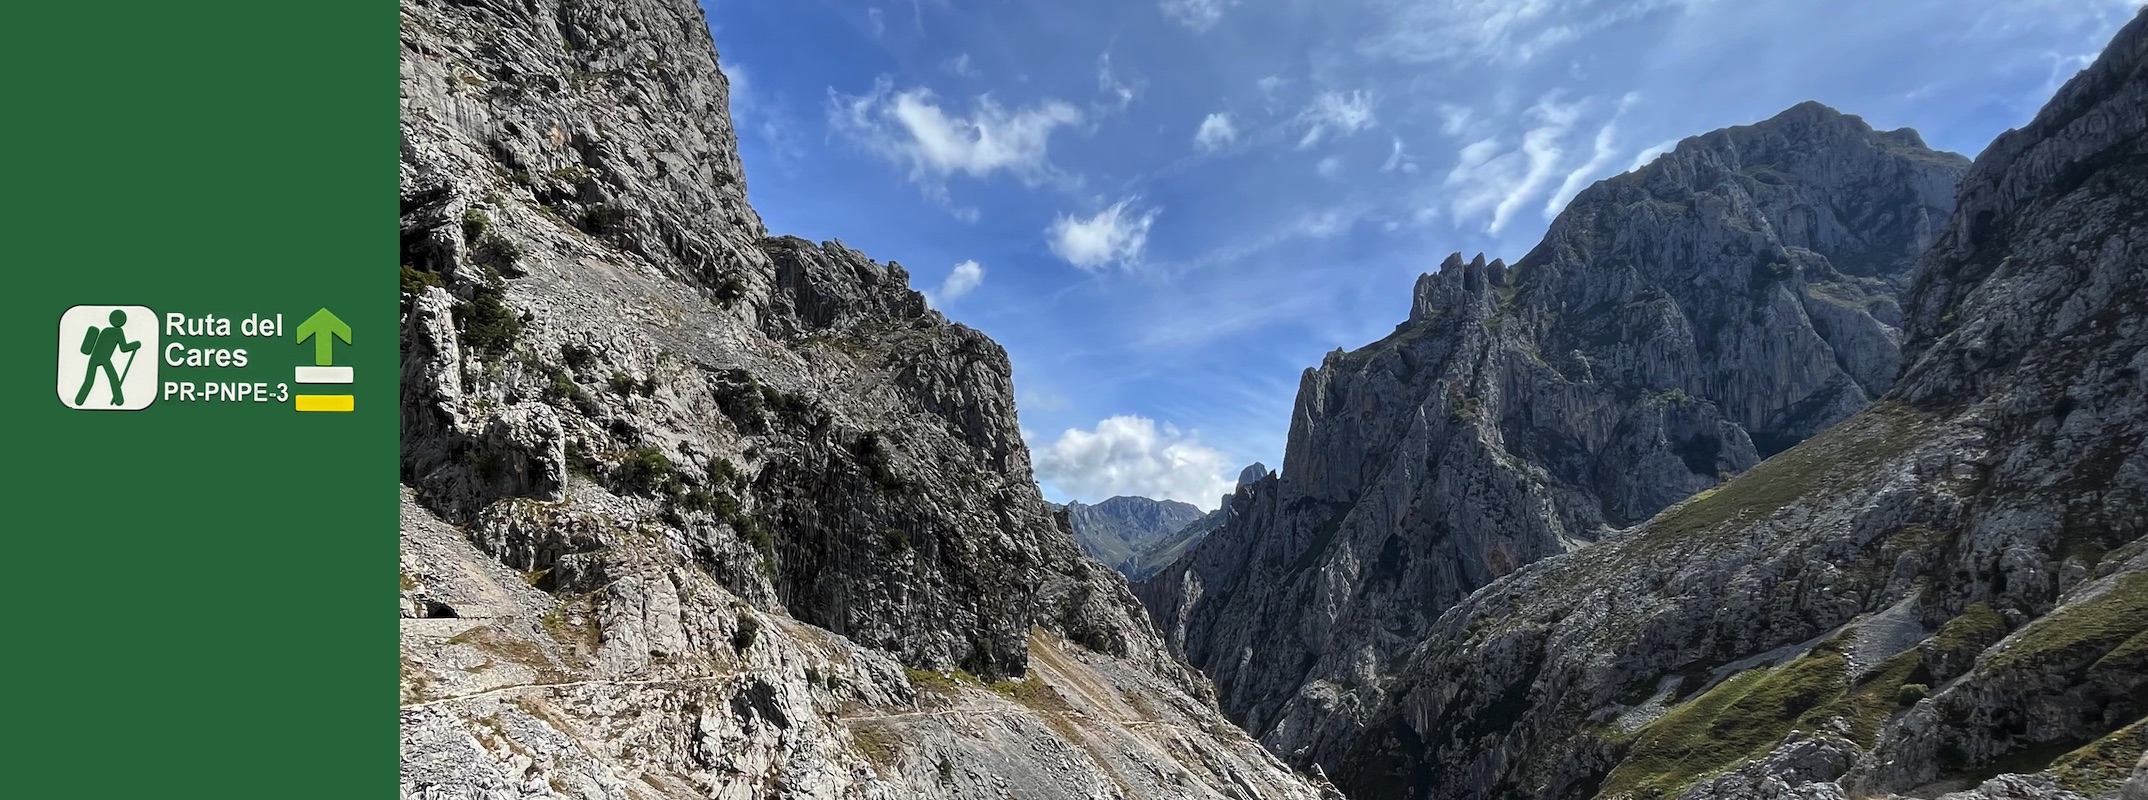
(1165, 210)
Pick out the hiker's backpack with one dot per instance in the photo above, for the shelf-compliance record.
(89, 340)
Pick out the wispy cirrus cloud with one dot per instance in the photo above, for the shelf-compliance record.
(1337, 113)
(1494, 178)
(1478, 31)
(1602, 150)
(1648, 154)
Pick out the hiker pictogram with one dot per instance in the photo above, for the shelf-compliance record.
(101, 344)
(102, 364)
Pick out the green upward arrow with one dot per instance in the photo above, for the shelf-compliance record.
(324, 329)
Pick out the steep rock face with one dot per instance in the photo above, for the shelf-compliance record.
(664, 684)
(1676, 324)
(1123, 531)
(1948, 591)
(703, 499)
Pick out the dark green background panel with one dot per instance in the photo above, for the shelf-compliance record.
(200, 593)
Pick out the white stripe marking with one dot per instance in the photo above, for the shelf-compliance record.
(324, 374)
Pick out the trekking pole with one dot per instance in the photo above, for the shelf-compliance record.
(130, 367)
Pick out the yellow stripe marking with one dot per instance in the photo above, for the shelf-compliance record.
(324, 402)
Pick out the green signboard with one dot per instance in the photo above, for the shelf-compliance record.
(201, 247)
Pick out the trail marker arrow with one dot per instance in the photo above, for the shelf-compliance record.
(324, 328)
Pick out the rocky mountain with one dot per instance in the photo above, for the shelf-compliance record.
(1168, 550)
(1946, 592)
(1677, 324)
(693, 511)
(1124, 531)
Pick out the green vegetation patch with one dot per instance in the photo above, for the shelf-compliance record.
(878, 461)
(488, 325)
(879, 744)
(1838, 458)
(1964, 636)
(415, 282)
(646, 470)
(1033, 693)
(2103, 765)
(946, 683)
(1741, 718)
(2127, 652)
(2108, 626)
(1868, 703)
(580, 632)
(748, 632)
(1403, 336)
(500, 645)
(474, 223)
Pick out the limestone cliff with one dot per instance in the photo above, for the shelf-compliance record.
(1676, 324)
(695, 512)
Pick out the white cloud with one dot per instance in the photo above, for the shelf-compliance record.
(1340, 113)
(877, 20)
(1199, 15)
(964, 277)
(1269, 85)
(1132, 455)
(1648, 154)
(912, 129)
(1581, 175)
(1216, 132)
(1604, 149)
(1330, 167)
(1487, 180)
(1114, 235)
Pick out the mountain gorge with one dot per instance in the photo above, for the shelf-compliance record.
(694, 511)
(1941, 593)
(1677, 324)
(1803, 462)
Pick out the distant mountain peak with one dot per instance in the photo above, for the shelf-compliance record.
(1126, 531)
